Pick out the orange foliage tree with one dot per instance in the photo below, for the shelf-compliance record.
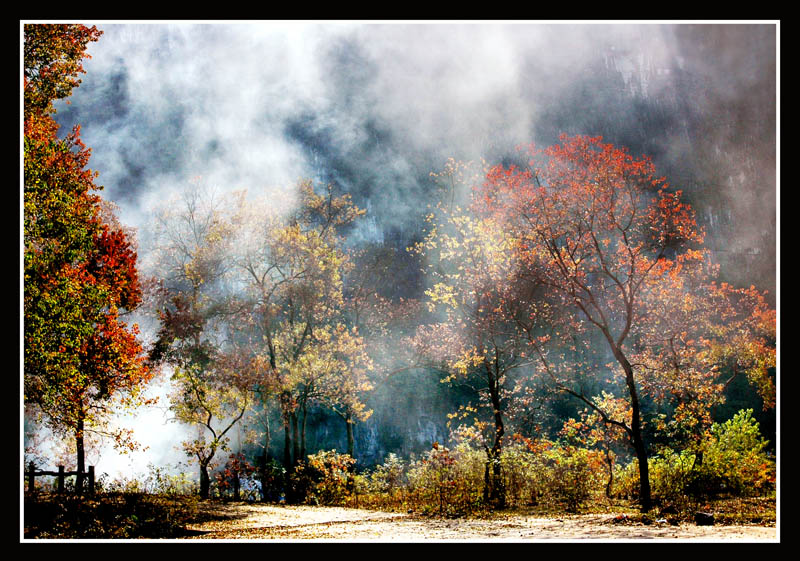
(80, 270)
(621, 258)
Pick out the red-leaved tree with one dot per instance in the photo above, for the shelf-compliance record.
(617, 251)
(81, 359)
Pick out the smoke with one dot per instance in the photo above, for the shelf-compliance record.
(376, 107)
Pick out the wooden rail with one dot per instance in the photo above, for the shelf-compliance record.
(80, 477)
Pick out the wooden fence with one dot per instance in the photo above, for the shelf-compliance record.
(80, 477)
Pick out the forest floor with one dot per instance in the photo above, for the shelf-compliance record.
(242, 521)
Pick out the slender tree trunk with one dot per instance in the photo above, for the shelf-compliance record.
(287, 442)
(263, 472)
(497, 493)
(81, 453)
(487, 483)
(644, 472)
(288, 462)
(348, 421)
(286, 412)
(610, 482)
(296, 439)
(236, 486)
(636, 432)
(303, 432)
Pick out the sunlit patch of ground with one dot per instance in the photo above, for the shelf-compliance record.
(274, 522)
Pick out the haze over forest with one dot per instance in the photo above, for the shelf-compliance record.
(375, 108)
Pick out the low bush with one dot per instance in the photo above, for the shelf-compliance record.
(732, 461)
(555, 475)
(447, 482)
(735, 457)
(574, 476)
(236, 480)
(383, 487)
(329, 478)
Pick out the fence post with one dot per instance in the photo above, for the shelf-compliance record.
(60, 479)
(31, 477)
(91, 480)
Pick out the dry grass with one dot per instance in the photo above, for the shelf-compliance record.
(108, 516)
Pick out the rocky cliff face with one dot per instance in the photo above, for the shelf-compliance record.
(705, 109)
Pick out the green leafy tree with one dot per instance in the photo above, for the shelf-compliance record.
(735, 454)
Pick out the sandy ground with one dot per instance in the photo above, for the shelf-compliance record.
(296, 523)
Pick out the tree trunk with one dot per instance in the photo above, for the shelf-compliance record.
(303, 432)
(610, 482)
(497, 494)
(263, 472)
(296, 439)
(205, 480)
(644, 473)
(80, 452)
(236, 486)
(636, 432)
(287, 443)
(487, 483)
(348, 421)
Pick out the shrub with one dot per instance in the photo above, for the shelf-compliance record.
(549, 472)
(108, 516)
(235, 479)
(330, 477)
(735, 457)
(672, 475)
(574, 475)
(447, 482)
(626, 480)
(389, 476)
(450, 481)
(524, 472)
(166, 481)
(732, 460)
(386, 484)
(272, 478)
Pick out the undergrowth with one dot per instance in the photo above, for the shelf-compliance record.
(108, 516)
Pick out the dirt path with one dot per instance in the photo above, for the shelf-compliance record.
(290, 523)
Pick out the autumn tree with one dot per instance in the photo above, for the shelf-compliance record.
(210, 379)
(700, 336)
(608, 238)
(53, 57)
(343, 364)
(476, 296)
(82, 360)
(212, 398)
(291, 265)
